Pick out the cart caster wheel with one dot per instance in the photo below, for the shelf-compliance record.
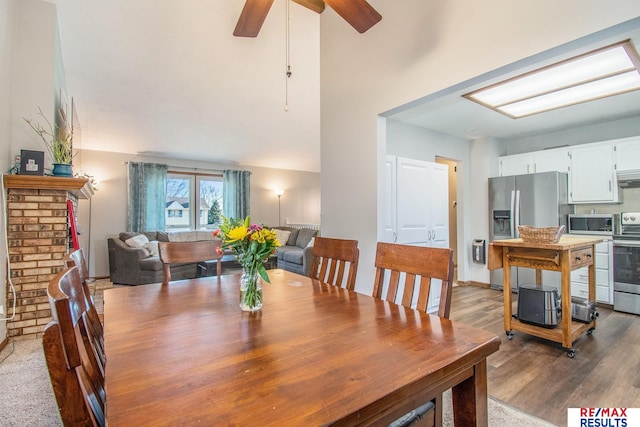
(571, 353)
(509, 335)
(590, 331)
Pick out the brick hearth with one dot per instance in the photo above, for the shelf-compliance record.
(38, 240)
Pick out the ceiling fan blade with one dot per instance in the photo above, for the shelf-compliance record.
(252, 17)
(358, 13)
(315, 5)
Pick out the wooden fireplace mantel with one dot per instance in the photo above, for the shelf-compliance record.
(78, 186)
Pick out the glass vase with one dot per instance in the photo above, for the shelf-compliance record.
(250, 291)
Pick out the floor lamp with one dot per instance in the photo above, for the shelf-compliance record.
(279, 193)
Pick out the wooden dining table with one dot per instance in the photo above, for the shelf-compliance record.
(316, 354)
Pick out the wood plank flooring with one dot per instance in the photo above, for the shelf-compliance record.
(536, 376)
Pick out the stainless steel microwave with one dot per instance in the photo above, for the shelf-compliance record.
(591, 224)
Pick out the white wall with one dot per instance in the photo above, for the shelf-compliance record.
(6, 61)
(417, 49)
(583, 135)
(31, 74)
(106, 211)
(37, 73)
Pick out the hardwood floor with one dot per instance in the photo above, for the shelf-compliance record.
(536, 376)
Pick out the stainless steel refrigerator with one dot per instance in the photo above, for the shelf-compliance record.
(538, 199)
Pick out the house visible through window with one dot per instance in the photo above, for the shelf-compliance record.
(194, 201)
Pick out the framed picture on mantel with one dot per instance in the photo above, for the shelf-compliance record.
(31, 162)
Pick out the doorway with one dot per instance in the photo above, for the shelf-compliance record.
(453, 211)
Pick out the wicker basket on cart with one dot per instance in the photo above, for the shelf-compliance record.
(531, 234)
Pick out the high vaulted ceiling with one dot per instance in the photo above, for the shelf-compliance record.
(169, 79)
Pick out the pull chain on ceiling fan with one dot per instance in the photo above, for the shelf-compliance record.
(358, 13)
(287, 60)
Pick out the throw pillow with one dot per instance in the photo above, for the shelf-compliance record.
(140, 241)
(282, 235)
(311, 242)
(152, 247)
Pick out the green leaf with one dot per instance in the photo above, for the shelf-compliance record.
(263, 273)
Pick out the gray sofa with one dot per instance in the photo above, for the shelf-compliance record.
(136, 266)
(295, 254)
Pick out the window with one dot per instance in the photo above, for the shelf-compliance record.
(184, 210)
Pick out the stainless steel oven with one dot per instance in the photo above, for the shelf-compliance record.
(626, 263)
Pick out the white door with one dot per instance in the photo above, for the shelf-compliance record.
(439, 209)
(422, 214)
(389, 232)
(412, 202)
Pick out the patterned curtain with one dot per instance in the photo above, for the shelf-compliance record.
(235, 198)
(147, 196)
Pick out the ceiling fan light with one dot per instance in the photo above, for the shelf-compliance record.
(572, 78)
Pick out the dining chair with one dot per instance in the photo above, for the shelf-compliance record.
(75, 374)
(94, 324)
(410, 262)
(330, 259)
(188, 252)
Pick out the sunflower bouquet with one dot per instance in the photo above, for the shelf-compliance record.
(252, 244)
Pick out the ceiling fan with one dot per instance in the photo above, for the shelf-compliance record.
(358, 13)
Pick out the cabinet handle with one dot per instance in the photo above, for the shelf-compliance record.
(578, 258)
(609, 185)
(588, 255)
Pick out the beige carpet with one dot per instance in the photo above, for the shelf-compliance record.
(27, 397)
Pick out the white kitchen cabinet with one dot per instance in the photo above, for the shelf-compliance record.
(604, 275)
(627, 154)
(592, 177)
(417, 207)
(556, 159)
(516, 164)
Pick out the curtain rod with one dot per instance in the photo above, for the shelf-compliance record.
(187, 169)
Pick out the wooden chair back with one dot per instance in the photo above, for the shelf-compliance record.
(94, 323)
(414, 262)
(76, 376)
(188, 252)
(330, 259)
(77, 258)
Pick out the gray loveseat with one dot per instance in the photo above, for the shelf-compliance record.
(137, 266)
(295, 254)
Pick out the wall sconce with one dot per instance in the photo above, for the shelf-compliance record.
(279, 193)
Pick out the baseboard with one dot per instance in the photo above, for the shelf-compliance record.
(474, 283)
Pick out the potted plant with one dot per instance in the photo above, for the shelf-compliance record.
(59, 143)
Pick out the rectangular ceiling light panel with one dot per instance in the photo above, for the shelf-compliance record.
(605, 72)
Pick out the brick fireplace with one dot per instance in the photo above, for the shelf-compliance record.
(38, 239)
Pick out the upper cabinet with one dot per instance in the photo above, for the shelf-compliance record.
(516, 164)
(556, 159)
(592, 168)
(592, 178)
(627, 154)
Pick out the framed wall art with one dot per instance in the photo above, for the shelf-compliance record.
(31, 162)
